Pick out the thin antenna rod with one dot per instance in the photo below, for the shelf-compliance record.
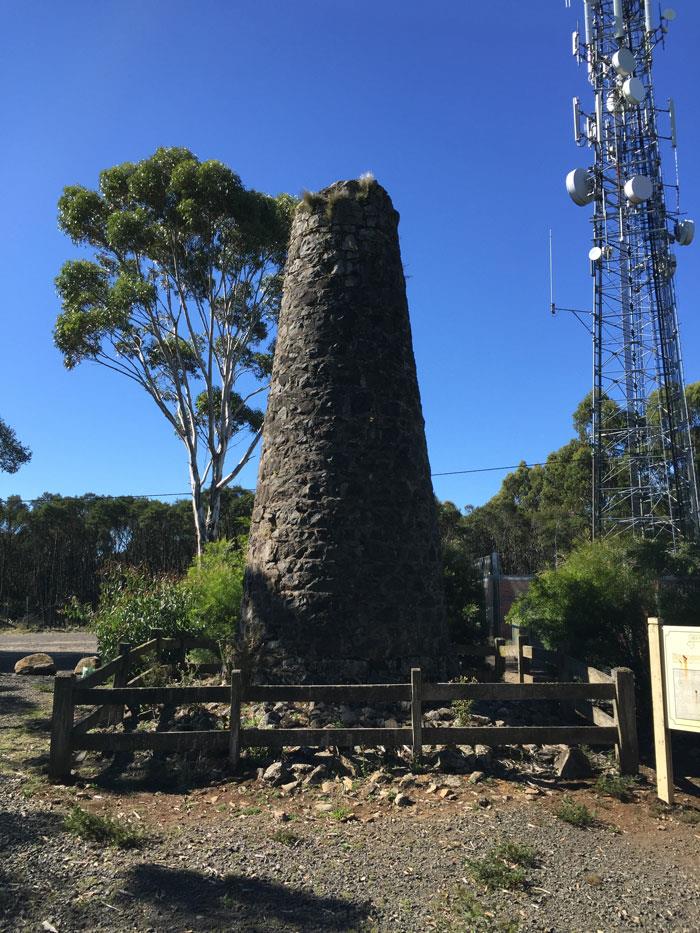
(552, 306)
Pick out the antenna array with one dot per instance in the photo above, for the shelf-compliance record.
(643, 474)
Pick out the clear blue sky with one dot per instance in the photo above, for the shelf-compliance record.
(461, 109)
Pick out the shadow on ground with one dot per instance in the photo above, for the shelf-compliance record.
(125, 772)
(235, 902)
(17, 889)
(13, 703)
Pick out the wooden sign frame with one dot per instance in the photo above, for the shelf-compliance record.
(674, 663)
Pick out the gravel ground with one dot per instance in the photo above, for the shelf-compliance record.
(241, 856)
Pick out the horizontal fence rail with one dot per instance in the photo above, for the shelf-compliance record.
(68, 735)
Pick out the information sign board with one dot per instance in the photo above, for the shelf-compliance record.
(681, 658)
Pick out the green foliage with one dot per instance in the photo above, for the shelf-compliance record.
(285, 836)
(181, 295)
(340, 813)
(689, 815)
(257, 755)
(102, 829)
(619, 786)
(594, 605)
(503, 867)
(576, 814)
(516, 853)
(542, 513)
(462, 581)
(463, 708)
(13, 454)
(214, 585)
(132, 602)
(473, 917)
(539, 512)
(596, 602)
(53, 551)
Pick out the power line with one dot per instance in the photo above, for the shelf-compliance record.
(170, 495)
(513, 466)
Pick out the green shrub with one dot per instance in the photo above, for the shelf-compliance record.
(494, 874)
(595, 604)
(516, 853)
(102, 829)
(214, 585)
(463, 590)
(285, 836)
(618, 786)
(463, 708)
(132, 602)
(576, 814)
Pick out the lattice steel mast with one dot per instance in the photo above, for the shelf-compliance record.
(643, 473)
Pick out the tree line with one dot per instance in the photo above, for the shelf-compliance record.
(541, 513)
(55, 550)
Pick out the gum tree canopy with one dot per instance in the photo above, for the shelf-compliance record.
(12, 453)
(180, 294)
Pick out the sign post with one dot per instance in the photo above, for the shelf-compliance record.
(674, 655)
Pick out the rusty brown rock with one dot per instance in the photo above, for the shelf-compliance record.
(38, 663)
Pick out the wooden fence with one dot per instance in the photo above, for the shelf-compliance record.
(68, 735)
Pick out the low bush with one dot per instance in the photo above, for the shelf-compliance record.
(617, 786)
(285, 836)
(576, 814)
(132, 602)
(503, 867)
(102, 829)
(595, 604)
(214, 587)
(463, 708)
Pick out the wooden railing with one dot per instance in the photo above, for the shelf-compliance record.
(68, 736)
(65, 731)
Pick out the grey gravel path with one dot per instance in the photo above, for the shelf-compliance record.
(66, 648)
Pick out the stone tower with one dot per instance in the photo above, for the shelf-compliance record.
(344, 576)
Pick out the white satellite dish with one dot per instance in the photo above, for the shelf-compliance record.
(669, 13)
(638, 189)
(579, 184)
(595, 253)
(633, 91)
(685, 232)
(623, 62)
(613, 102)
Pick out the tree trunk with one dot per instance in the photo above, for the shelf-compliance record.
(198, 510)
(213, 513)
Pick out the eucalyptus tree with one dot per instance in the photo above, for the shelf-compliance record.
(12, 453)
(180, 295)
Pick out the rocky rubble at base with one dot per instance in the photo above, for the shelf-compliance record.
(300, 767)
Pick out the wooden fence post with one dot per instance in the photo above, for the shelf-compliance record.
(626, 721)
(61, 752)
(499, 662)
(417, 712)
(567, 708)
(520, 641)
(234, 747)
(157, 633)
(116, 713)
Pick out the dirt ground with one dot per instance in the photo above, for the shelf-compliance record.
(217, 853)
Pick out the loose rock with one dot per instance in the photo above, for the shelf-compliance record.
(572, 763)
(38, 663)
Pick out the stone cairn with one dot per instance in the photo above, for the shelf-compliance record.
(344, 575)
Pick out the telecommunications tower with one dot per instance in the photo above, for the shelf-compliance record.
(643, 474)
